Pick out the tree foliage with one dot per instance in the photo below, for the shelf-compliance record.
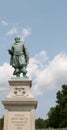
(41, 123)
(1, 123)
(57, 115)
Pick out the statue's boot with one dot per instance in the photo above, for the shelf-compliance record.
(16, 71)
(18, 75)
(24, 75)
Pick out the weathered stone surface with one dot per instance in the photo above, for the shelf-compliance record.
(20, 87)
(19, 106)
(20, 103)
(20, 82)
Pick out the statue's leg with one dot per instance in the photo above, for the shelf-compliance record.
(16, 72)
(23, 70)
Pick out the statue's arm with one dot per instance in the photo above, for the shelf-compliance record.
(10, 51)
(26, 53)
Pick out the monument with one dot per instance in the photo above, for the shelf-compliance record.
(19, 105)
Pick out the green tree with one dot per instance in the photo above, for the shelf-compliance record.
(53, 117)
(1, 123)
(57, 116)
(41, 123)
(62, 97)
(63, 122)
(62, 103)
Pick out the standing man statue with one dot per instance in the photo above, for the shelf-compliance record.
(19, 57)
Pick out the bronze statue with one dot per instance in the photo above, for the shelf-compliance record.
(19, 57)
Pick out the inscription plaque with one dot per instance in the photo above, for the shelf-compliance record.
(19, 120)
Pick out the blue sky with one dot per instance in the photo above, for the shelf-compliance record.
(42, 24)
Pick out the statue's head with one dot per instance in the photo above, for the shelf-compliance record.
(17, 39)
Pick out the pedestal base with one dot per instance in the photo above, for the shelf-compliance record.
(19, 107)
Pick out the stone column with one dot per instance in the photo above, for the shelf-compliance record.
(19, 106)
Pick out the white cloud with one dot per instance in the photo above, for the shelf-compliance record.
(4, 23)
(48, 76)
(45, 74)
(5, 73)
(26, 32)
(12, 31)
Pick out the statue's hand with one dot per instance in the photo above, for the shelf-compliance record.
(27, 60)
(10, 52)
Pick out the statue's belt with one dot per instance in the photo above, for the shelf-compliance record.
(18, 53)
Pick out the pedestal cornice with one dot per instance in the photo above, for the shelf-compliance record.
(20, 103)
(20, 82)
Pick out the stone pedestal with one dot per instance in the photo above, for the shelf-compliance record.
(19, 106)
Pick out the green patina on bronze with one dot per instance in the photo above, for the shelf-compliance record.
(19, 57)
